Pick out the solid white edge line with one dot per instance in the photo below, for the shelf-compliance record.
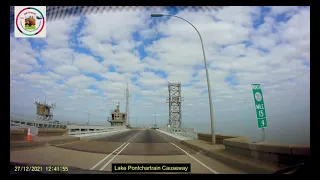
(111, 153)
(213, 171)
(118, 152)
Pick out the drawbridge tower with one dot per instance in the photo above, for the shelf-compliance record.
(44, 112)
(174, 100)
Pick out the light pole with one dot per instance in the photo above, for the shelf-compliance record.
(129, 111)
(137, 121)
(207, 74)
(155, 119)
(88, 118)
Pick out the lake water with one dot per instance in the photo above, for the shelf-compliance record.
(293, 130)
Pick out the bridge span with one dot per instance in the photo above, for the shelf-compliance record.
(133, 146)
(93, 149)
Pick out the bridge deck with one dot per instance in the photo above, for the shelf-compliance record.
(134, 146)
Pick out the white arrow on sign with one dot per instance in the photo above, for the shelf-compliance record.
(262, 122)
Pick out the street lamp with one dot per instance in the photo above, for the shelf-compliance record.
(207, 74)
(128, 115)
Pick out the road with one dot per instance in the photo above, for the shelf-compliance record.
(134, 146)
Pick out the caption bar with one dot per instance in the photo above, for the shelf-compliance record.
(151, 167)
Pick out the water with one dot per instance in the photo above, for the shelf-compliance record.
(293, 130)
(292, 127)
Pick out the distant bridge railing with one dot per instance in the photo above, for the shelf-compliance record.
(18, 121)
(187, 132)
(22, 122)
(79, 130)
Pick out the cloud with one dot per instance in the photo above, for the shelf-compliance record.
(52, 57)
(148, 33)
(60, 31)
(85, 63)
(22, 57)
(80, 81)
(88, 64)
(278, 10)
(151, 80)
(67, 70)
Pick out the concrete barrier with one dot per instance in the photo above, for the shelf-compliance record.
(17, 135)
(177, 136)
(25, 131)
(187, 132)
(268, 152)
(51, 132)
(20, 134)
(219, 137)
(242, 163)
(42, 141)
(99, 135)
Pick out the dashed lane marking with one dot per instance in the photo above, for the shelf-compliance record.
(119, 151)
(93, 167)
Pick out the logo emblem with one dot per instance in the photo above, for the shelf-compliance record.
(258, 96)
(30, 21)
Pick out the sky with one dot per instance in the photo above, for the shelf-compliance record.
(83, 64)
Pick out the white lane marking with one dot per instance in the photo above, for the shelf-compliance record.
(111, 153)
(118, 153)
(213, 171)
(113, 157)
(106, 157)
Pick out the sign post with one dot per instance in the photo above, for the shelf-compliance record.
(260, 108)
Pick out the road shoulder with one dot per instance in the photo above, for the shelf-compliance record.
(38, 142)
(217, 152)
(211, 164)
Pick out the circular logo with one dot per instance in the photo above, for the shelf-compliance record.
(30, 21)
(258, 96)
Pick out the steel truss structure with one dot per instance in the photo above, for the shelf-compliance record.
(174, 100)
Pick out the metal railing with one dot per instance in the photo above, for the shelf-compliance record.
(25, 122)
(79, 130)
(187, 132)
(22, 122)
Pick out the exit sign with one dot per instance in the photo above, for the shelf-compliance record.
(259, 106)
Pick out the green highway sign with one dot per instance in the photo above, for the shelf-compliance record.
(259, 106)
(155, 125)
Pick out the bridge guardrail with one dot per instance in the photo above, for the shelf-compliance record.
(79, 130)
(22, 122)
(187, 132)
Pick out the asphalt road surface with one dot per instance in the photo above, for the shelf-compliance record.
(134, 146)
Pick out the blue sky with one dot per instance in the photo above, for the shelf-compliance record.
(84, 62)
